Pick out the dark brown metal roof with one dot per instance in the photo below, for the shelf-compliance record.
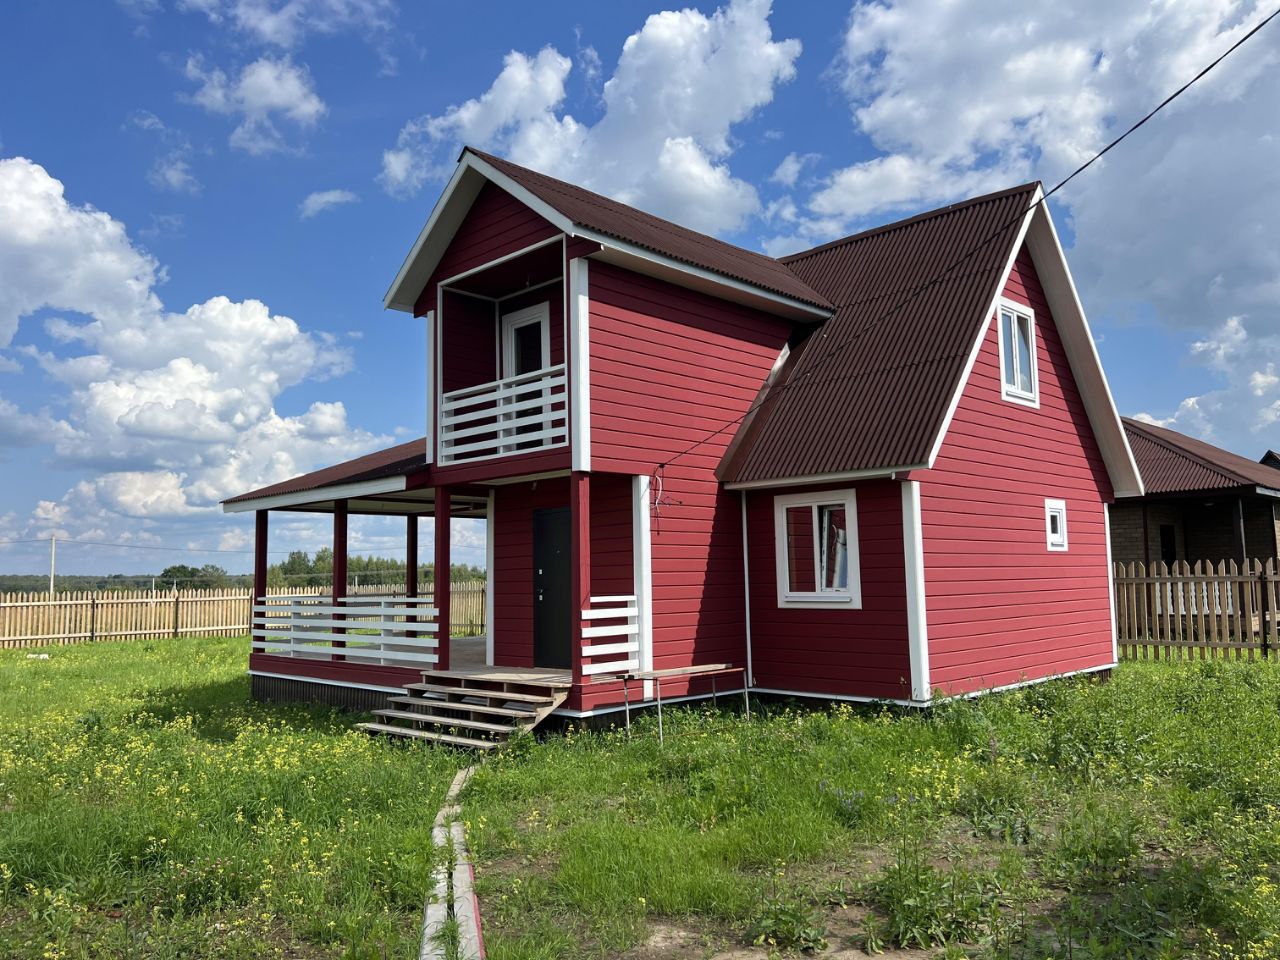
(1172, 462)
(617, 220)
(400, 460)
(871, 387)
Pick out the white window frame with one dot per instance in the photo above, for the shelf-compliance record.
(1056, 508)
(539, 313)
(1010, 392)
(849, 598)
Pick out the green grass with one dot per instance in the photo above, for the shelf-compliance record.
(1138, 818)
(150, 809)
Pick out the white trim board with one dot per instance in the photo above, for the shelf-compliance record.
(580, 363)
(917, 619)
(345, 491)
(642, 571)
(326, 683)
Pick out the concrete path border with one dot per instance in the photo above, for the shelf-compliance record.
(453, 890)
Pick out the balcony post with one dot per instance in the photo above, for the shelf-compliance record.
(580, 564)
(440, 579)
(259, 558)
(411, 555)
(339, 566)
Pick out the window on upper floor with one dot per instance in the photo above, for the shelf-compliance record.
(1055, 524)
(1018, 373)
(816, 543)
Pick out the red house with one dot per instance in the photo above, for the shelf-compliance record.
(878, 469)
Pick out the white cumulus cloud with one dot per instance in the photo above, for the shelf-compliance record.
(322, 200)
(681, 83)
(264, 93)
(169, 411)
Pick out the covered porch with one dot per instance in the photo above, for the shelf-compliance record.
(551, 618)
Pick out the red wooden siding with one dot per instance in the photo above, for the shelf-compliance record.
(1002, 607)
(468, 342)
(669, 367)
(497, 224)
(859, 653)
(611, 562)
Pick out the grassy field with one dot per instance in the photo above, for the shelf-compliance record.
(149, 809)
(1138, 818)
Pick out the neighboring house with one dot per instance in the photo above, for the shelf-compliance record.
(878, 469)
(1201, 502)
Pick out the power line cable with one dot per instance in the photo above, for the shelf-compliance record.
(808, 378)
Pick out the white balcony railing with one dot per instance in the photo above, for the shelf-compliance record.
(379, 630)
(512, 415)
(615, 621)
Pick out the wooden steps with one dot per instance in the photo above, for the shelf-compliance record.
(478, 711)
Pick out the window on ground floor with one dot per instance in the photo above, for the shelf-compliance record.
(816, 539)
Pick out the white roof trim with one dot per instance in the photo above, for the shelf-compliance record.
(1041, 239)
(344, 491)
(461, 191)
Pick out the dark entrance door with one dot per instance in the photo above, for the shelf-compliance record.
(551, 588)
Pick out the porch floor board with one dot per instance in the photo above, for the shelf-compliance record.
(467, 662)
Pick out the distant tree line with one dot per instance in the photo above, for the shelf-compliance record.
(299, 569)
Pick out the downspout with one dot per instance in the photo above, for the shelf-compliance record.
(746, 589)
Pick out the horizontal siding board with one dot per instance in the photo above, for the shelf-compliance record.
(1001, 607)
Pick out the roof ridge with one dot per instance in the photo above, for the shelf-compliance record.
(1143, 427)
(909, 221)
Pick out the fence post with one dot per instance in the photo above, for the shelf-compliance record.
(175, 614)
(93, 616)
(1264, 612)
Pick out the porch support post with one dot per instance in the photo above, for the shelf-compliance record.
(579, 564)
(259, 557)
(339, 564)
(1242, 550)
(411, 555)
(440, 579)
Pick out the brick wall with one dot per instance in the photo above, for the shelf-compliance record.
(1126, 531)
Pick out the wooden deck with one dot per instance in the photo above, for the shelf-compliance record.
(466, 662)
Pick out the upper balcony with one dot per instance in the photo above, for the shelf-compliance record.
(501, 380)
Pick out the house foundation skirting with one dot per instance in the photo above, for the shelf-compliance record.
(277, 689)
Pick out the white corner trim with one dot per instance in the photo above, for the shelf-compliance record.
(982, 332)
(848, 599)
(580, 375)
(746, 586)
(1007, 393)
(431, 385)
(344, 491)
(1111, 583)
(917, 620)
(490, 541)
(1082, 354)
(642, 570)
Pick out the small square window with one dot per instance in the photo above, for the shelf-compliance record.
(1055, 524)
(1018, 354)
(817, 550)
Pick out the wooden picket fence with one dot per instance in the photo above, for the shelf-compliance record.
(1181, 611)
(34, 620)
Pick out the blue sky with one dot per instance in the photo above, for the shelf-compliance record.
(202, 203)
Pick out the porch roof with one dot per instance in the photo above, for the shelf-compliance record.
(1173, 463)
(394, 481)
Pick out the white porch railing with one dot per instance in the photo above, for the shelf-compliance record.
(512, 415)
(381, 631)
(604, 619)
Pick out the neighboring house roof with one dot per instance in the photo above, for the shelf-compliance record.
(398, 461)
(637, 239)
(1172, 462)
(1271, 459)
